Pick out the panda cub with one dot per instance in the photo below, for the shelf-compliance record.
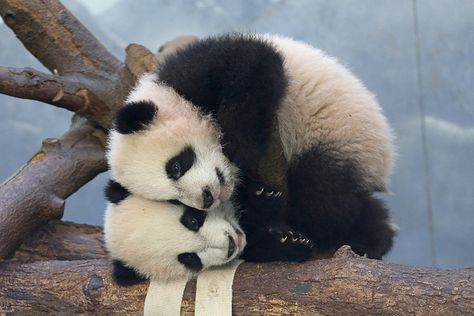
(162, 148)
(336, 144)
(164, 241)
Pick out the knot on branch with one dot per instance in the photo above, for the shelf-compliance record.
(139, 60)
(345, 251)
(50, 143)
(9, 16)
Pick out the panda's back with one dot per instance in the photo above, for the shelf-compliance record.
(327, 106)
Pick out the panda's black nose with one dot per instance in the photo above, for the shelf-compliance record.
(207, 198)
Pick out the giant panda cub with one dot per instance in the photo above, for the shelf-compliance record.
(164, 241)
(335, 142)
(162, 148)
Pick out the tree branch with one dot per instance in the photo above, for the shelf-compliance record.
(28, 83)
(56, 38)
(59, 41)
(36, 193)
(345, 285)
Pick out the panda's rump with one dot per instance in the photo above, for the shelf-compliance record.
(326, 105)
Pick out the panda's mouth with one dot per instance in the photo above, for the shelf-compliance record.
(232, 247)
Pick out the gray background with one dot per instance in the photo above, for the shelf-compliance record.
(416, 56)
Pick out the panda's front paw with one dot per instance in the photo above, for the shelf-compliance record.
(267, 193)
(261, 190)
(288, 236)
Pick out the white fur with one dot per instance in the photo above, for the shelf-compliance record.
(325, 103)
(138, 160)
(148, 236)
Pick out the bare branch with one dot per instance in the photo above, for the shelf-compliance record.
(36, 193)
(28, 83)
(344, 285)
(56, 38)
(59, 41)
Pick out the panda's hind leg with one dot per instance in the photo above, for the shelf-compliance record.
(278, 242)
(373, 232)
(327, 202)
(268, 237)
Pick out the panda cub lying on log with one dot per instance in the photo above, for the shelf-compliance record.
(218, 106)
(165, 241)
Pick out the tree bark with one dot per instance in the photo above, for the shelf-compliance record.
(28, 83)
(58, 240)
(37, 192)
(344, 285)
(65, 46)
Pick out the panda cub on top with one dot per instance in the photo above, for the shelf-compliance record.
(241, 91)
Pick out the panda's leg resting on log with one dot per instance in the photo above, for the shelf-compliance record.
(269, 237)
(326, 202)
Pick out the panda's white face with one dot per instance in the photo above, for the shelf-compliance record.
(163, 149)
(161, 240)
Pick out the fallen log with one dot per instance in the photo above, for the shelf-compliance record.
(345, 284)
(59, 240)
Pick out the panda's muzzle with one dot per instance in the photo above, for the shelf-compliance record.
(232, 247)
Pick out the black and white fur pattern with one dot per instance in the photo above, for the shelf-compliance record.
(165, 241)
(335, 139)
(162, 148)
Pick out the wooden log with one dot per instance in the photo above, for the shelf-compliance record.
(344, 285)
(59, 240)
(37, 192)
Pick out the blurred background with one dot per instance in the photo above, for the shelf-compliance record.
(416, 56)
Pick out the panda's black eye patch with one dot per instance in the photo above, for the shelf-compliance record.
(135, 116)
(193, 218)
(115, 192)
(177, 166)
(191, 261)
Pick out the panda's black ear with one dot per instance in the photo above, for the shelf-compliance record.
(135, 116)
(125, 276)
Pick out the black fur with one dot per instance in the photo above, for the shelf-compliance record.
(190, 261)
(326, 202)
(262, 221)
(115, 192)
(240, 80)
(177, 166)
(193, 218)
(125, 276)
(135, 116)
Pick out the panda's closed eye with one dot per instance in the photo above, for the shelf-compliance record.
(193, 218)
(177, 166)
